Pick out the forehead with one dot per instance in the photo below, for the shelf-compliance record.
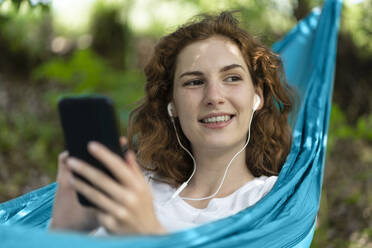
(214, 52)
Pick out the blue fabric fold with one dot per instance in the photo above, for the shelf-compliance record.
(285, 217)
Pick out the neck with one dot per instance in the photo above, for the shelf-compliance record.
(210, 169)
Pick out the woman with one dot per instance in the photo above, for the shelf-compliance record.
(212, 134)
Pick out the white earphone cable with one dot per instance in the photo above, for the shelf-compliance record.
(183, 186)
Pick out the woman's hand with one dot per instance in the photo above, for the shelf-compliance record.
(126, 204)
(67, 211)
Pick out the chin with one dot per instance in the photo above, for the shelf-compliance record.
(217, 144)
(223, 142)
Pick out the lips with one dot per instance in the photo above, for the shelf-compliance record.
(218, 124)
(217, 115)
(221, 118)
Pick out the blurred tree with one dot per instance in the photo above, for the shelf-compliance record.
(353, 88)
(25, 30)
(110, 36)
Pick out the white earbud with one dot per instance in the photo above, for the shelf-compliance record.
(257, 101)
(169, 107)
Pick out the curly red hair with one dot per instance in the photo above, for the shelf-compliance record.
(149, 123)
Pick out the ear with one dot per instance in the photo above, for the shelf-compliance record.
(259, 92)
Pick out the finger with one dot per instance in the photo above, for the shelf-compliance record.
(123, 140)
(107, 221)
(63, 170)
(110, 223)
(63, 156)
(62, 160)
(131, 159)
(99, 179)
(99, 199)
(113, 162)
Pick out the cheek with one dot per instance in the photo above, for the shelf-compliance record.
(187, 110)
(243, 103)
(187, 103)
(185, 120)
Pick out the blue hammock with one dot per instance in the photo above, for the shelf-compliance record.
(285, 217)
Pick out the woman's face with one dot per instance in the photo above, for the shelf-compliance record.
(212, 80)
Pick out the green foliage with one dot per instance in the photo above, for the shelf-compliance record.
(30, 141)
(84, 73)
(363, 129)
(29, 145)
(17, 4)
(340, 129)
(23, 32)
(345, 202)
(164, 16)
(357, 20)
(361, 239)
(22, 23)
(321, 237)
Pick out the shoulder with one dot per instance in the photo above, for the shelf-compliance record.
(264, 184)
(250, 193)
(255, 189)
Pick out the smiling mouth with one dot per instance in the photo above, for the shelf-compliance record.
(217, 119)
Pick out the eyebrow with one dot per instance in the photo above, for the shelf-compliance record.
(199, 73)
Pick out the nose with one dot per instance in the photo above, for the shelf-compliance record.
(213, 94)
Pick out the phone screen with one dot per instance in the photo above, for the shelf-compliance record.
(85, 119)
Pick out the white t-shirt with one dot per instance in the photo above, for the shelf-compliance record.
(177, 214)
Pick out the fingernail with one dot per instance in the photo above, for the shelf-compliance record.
(73, 163)
(93, 146)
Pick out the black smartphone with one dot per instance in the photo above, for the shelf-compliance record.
(89, 118)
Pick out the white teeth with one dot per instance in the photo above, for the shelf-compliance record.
(217, 119)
